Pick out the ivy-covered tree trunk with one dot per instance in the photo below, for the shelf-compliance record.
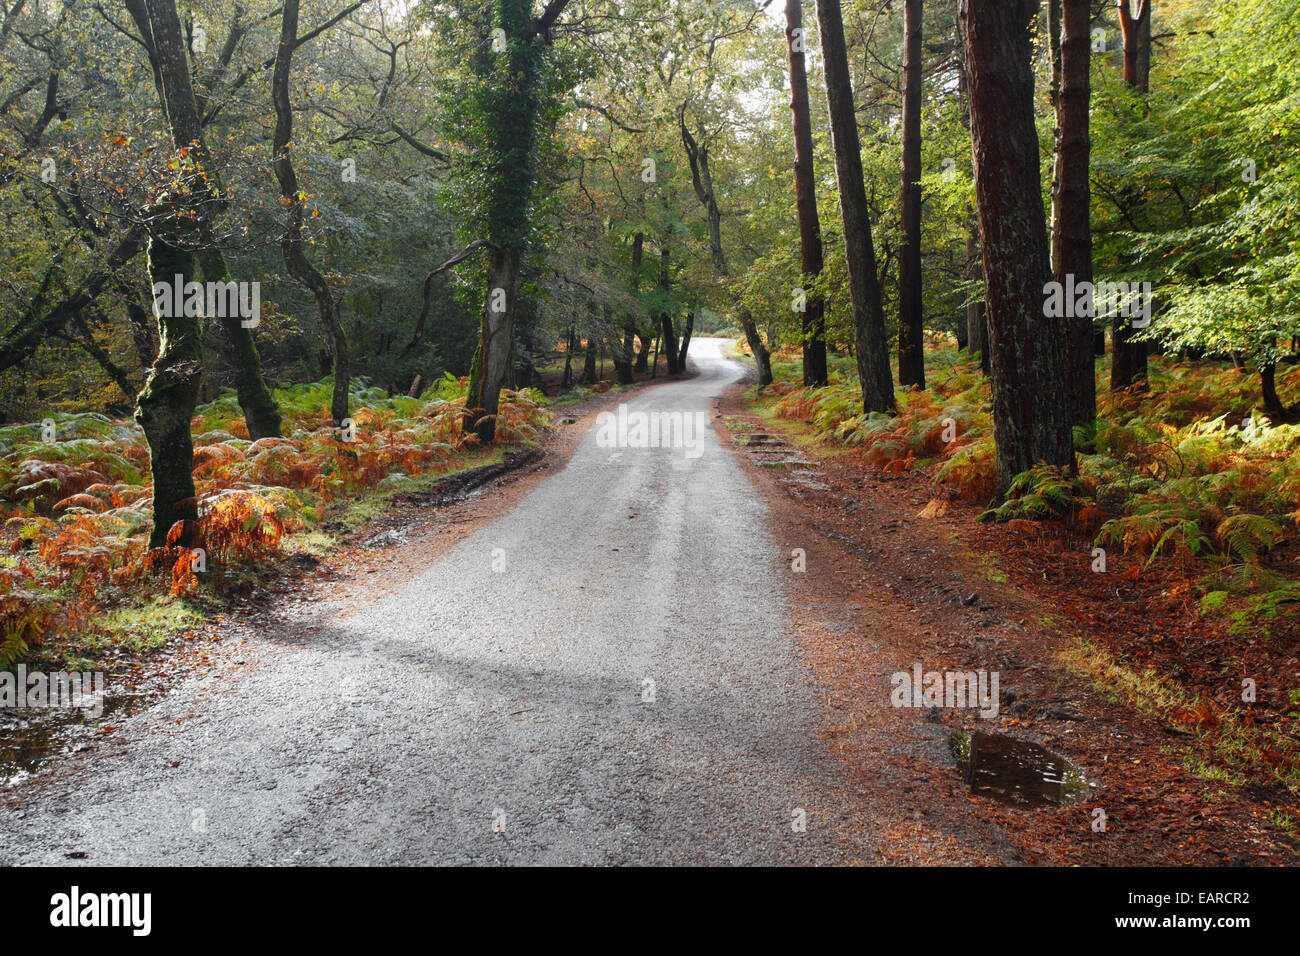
(911, 353)
(1031, 408)
(165, 406)
(813, 320)
(510, 97)
(870, 343)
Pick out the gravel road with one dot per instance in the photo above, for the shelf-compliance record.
(605, 675)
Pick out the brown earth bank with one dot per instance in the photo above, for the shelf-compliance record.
(886, 589)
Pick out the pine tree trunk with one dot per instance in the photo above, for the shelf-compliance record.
(1072, 235)
(870, 342)
(813, 320)
(911, 352)
(1031, 409)
(1129, 358)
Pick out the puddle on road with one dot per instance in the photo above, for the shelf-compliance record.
(39, 736)
(1017, 772)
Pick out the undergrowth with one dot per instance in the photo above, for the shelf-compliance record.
(75, 498)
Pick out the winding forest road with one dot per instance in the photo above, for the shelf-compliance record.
(605, 674)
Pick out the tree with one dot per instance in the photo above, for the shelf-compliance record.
(1071, 230)
(500, 115)
(1031, 411)
(911, 353)
(813, 325)
(166, 404)
(181, 108)
(870, 343)
(1129, 354)
(291, 247)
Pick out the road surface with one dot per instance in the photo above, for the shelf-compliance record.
(605, 675)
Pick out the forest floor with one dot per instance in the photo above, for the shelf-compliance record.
(893, 581)
(385, 692)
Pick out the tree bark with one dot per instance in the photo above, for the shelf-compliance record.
(1071, 233)
(911, 350)
(870, 343)
(813, 320)
(1031, 411)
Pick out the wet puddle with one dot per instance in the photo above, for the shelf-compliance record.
(39, 736)
(1017, 772)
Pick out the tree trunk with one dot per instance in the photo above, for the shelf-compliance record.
(166, 404)
(762, 358)
(813, 320)
(977, 328)
(686, 340)
(1031, 411)
(870, 342)
(697, 154)
(643, 352)
(170, 61)
(623, 365)
(1268, 385)
(1129, 358)
(495, 336)
(567, 380)
(589, 363)
(1071, 233)
(911, 349)
(515, 81)
(291, 247)
(668, 334)
(261, 413)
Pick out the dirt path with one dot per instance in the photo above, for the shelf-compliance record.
(601, 671)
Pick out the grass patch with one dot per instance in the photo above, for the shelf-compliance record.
(120, 635)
